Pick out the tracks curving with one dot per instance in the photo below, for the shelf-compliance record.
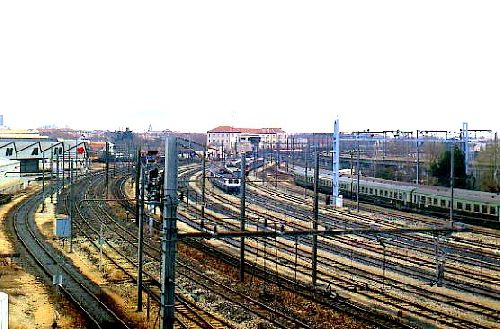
(85, 294)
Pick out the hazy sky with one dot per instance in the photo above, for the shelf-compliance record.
(193, 65)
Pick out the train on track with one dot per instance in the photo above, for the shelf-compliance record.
(225, 180)
(227, 176)
(475, 207)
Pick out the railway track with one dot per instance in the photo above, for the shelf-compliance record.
(224, 291)
(384, 298)
(82, 292)
(452, 323)
(423, 267)
(461, 246)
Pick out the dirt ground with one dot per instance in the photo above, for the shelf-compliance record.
(32, 302)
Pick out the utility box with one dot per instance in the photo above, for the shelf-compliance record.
(62, 226)
(4, 311)
(339, 201)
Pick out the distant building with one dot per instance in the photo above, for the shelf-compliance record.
(21, 134)
(36, 153)
(231, 140)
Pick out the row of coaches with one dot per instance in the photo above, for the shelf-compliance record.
(473, 206)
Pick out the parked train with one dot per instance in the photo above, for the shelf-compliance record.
(227, 176)
(475, 207)
(224, 178)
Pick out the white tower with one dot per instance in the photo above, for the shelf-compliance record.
(336, 198)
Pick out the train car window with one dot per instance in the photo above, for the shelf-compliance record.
(435, 201)
(371, 191)
(422, 199)
(459, 205)
(484, 209)
(429, 200)
(385, 193)
(443, 203)
(492, 210)
(476, 208)
(467, 207)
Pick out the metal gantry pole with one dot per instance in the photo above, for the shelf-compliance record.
(43, 181)
(70, 168)
(315, 221)
(140, 243)
(335, 163)
(43, 176)
(169, 236)
(352, 176)
(357, 174)
(107, 170)
(276, 162)
(63, 183)
(70, 196)
(242, 216)
(204, 177)
(452, 179)
(496, 174)
(57, 168)
(137, 186)
(465, 138)
(418, 161)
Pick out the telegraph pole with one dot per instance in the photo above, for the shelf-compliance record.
(169, 236)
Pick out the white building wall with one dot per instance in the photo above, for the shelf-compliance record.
(231, 140)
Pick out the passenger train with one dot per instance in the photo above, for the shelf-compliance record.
(475, 207)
